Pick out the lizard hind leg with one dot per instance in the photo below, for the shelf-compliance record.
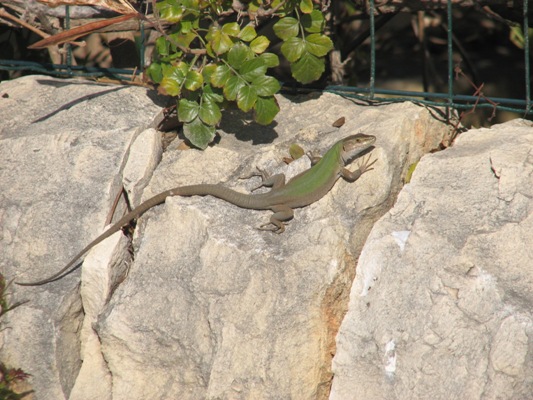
(281, 214)
(274, 181)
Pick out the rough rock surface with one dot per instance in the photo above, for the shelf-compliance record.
(441, 307)
(210, 307)
(63, 145)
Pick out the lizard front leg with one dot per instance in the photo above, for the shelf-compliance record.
(281, 213)
(365, 166)
(314, 158)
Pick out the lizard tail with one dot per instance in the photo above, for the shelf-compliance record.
(239, 199)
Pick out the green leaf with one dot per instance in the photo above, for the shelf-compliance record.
(410, 171)
(285, 7)
(238, 54)
(314, 22)
(259, 44)
(209, 94)
(173, 77)
(270, 59)
(296, 151)
(181, 39)
(181, 68)
(154, 72)
(208, 71)
(217, 7)
(308, 68)
(306, 6)
(209, 112)
(187, 26)
(193, 80)
(254, 6)
(266, 85)
(190, 5)
(286, 27)
(251, 69)
(248, 33)
(220, 42)
(165, 50)
(516, 36)
(187, 110)
(265, 110)
(221, 75)
(246, 98)
(293, 48)
(199, 133)
(232, 87)
(173, 13)
(162, 46)
(231, 29)
(318, 45)
(209, 50)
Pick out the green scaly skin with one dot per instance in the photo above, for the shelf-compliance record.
(300, 191)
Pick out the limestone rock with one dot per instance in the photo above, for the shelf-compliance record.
(441, 305)
(62, 149)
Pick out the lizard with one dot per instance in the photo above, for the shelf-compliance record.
(300, 191)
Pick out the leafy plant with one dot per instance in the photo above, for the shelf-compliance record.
(9, 376)
(208, 60)
(304, 52)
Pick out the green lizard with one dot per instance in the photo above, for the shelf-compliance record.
(302, 190)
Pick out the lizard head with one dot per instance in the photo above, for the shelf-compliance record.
(354, 145)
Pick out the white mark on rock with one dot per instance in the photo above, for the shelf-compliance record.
(400, 237)
(390, 358)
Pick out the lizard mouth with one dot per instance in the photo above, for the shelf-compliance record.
(350, 157)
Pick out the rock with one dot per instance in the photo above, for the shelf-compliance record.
(210, 307)
(441, 305)
(62, 150)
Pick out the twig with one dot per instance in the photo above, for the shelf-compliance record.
(478, 94)
(5, 14)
